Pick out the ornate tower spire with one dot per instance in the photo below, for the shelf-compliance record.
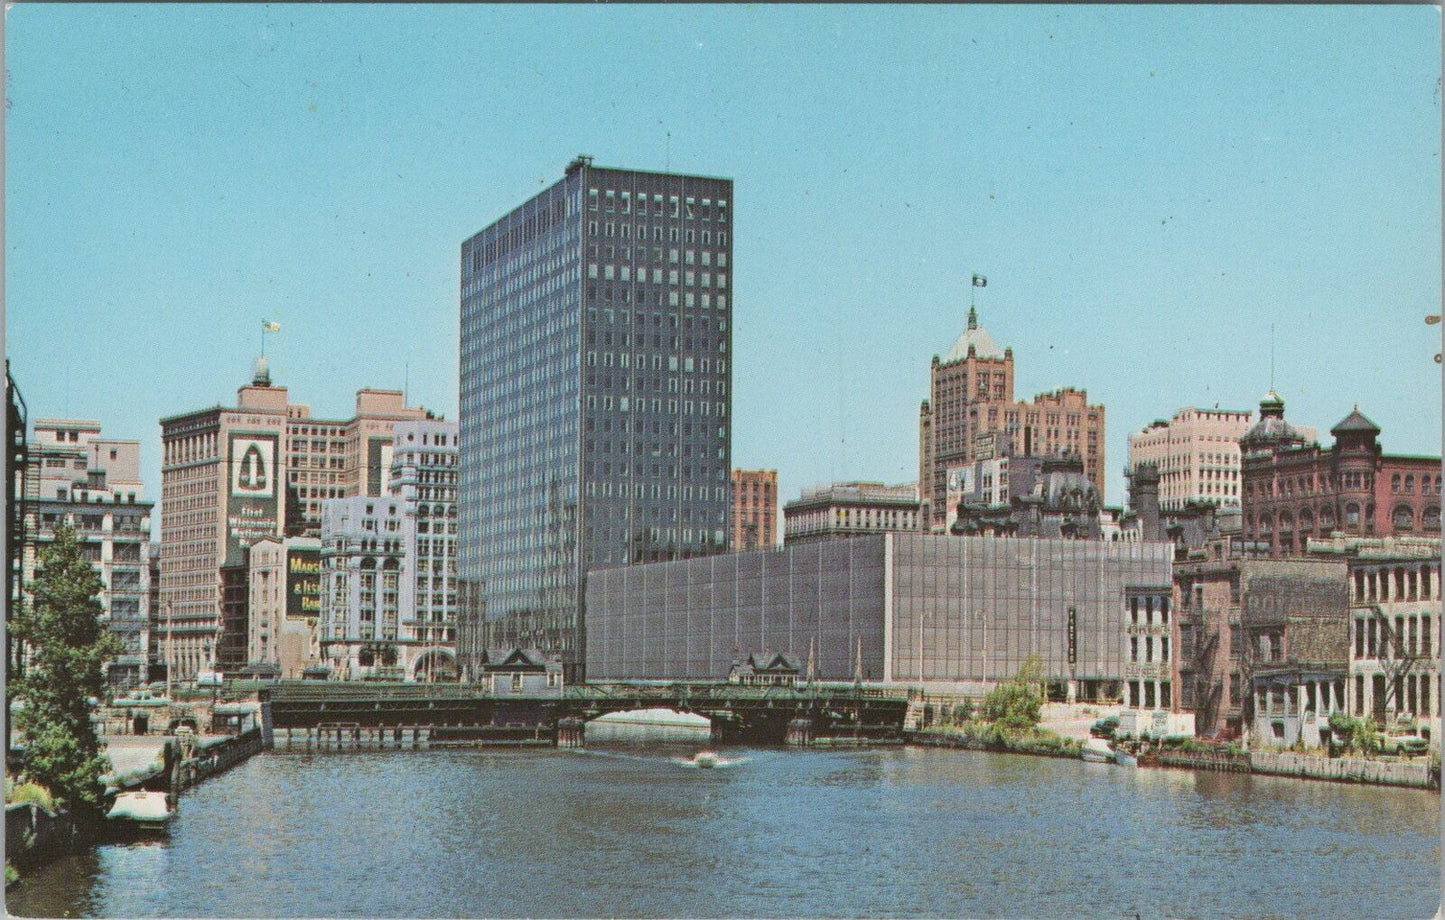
(972, 318)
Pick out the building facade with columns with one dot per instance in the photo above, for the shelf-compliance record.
(388, 565)
(850, 509)
(1394, 627)
(233, 475)
(971, 414)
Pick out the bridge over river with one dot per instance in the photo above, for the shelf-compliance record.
(802, 713)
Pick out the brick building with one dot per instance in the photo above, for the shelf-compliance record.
(755, 509)
(1295, 490)
(233, 475)
(971, 415)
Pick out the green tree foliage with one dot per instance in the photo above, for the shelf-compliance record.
(1017, 703)
(68, 647)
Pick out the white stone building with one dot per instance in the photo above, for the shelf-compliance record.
(850, 509)
(388, 565)
(1395, 641)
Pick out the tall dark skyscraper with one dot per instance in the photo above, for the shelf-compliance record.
(596, 397)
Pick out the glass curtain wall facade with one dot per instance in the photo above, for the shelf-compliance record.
(595, 397)
(907, 607)
(976, 608)
(694, 619)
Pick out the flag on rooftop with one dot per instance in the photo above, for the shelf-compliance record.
(268, 326)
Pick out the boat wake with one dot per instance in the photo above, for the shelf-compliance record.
(709, 763)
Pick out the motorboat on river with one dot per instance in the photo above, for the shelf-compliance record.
(705, 759)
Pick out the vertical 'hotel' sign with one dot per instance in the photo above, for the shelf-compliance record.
(252, 509)
(1073, 637)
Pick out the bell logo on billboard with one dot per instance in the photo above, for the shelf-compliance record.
(253, 466)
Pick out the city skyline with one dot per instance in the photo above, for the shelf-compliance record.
(1181, 184)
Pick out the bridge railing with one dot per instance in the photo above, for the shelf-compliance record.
(303, 691)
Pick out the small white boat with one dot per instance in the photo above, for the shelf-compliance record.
(143, 810)
(1097, 750)
(705, 759)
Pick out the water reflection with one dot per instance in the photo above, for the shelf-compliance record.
(886, 833)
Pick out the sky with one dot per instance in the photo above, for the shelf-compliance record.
(1149, 190)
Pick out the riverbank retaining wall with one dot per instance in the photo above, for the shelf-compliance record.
(217, 756)
(1346, 769)
(33, 834)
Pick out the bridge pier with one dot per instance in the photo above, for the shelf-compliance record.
(800, 732)
(571, 732)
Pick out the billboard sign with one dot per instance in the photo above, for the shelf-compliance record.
(252, 512)
(303, 584)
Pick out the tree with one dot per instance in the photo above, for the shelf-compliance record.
(68, 647)
(1017, 703)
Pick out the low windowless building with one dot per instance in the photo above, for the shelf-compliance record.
(904, 608)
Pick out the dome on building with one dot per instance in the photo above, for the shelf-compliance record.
(1271, 430)
(261, 372)
(977, 337)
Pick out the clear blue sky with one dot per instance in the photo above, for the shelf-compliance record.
(1147, 189)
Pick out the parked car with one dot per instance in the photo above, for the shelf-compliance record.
(1405, 744)
(1104, 728)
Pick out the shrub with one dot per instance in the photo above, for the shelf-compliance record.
(1358, 734)
(30, 792)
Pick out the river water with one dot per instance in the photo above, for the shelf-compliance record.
(795, 833)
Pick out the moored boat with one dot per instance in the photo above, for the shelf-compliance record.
(1125, 759)
(145, 811)
(705, 759)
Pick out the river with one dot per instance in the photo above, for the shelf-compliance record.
(798, 833)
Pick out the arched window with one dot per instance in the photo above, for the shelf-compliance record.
(1404, 517)
(1286, 522)
(1327, 518)
(1395, 483)
(1266, 525)
(1430, 520)
(1306, 521)
(1352, 515)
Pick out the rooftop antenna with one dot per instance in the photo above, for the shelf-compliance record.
(1271, 357)
(667, 158)
(405, 379)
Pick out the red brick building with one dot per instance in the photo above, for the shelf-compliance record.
(1294, 490)
(971, 414)
(755, 509)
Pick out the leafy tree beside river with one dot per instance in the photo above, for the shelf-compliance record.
(68, 647)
